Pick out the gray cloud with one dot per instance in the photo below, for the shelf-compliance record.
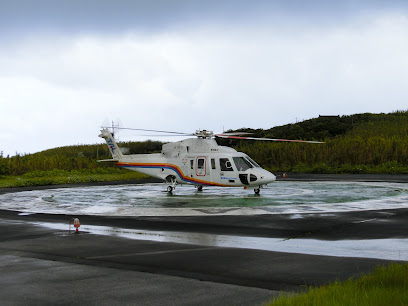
(228, 68)
(21, 17)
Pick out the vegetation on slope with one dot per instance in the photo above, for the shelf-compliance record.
(70, 158)
(69, 165)
(362, 143)
(365, 143)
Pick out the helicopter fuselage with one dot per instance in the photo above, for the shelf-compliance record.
(197, 161)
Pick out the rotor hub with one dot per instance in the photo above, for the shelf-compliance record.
(204, 134)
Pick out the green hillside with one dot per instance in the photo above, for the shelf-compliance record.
(325, 127)
(80, 157)
(360, 143)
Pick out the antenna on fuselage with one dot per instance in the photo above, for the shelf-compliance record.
(114, 127)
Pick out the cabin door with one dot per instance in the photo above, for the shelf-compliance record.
(201, 166)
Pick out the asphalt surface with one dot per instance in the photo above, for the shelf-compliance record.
(45, 266)
(42, 266)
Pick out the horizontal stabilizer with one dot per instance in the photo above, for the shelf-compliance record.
(108, 160)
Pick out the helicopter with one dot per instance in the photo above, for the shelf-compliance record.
(197, 161)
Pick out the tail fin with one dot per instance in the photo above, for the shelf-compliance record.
(113, 146)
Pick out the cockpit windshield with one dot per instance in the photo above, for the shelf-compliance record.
(242, 164)
(252, 162)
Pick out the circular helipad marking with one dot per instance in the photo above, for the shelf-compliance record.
(152, 200)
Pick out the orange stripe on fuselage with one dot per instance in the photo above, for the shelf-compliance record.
(175, 168)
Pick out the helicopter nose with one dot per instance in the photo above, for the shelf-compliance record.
(262, 177)
(268, 177)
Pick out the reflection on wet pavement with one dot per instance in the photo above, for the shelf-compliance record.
(391, 249)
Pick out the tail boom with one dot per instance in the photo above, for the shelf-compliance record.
(112, 145)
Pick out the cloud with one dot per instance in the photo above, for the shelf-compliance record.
(56, 91)
(75, 17)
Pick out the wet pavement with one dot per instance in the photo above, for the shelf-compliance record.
(48, 267)
(196, 259)
(45, 266)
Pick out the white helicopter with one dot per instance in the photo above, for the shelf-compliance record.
(198, 161)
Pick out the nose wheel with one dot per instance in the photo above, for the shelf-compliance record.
(257, 190)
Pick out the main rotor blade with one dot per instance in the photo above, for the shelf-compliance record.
(157, 131)
(267, 139)
(233, 134)
(174, 135)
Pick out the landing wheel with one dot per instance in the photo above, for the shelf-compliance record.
(257, 190)
(200, 188)
(171, 179)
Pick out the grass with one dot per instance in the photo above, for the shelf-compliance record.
(57, 177)
(387, 285)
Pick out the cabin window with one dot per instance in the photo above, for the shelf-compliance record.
(192, 164)
(242, 164)
(200, 163)
(225, 164)
(212, 163)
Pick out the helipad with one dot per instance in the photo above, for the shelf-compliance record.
(152, 200)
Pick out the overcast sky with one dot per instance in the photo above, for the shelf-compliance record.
(66, 67)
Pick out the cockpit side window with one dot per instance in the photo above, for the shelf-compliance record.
(225, 164)
(212, 163)
(242, 164)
